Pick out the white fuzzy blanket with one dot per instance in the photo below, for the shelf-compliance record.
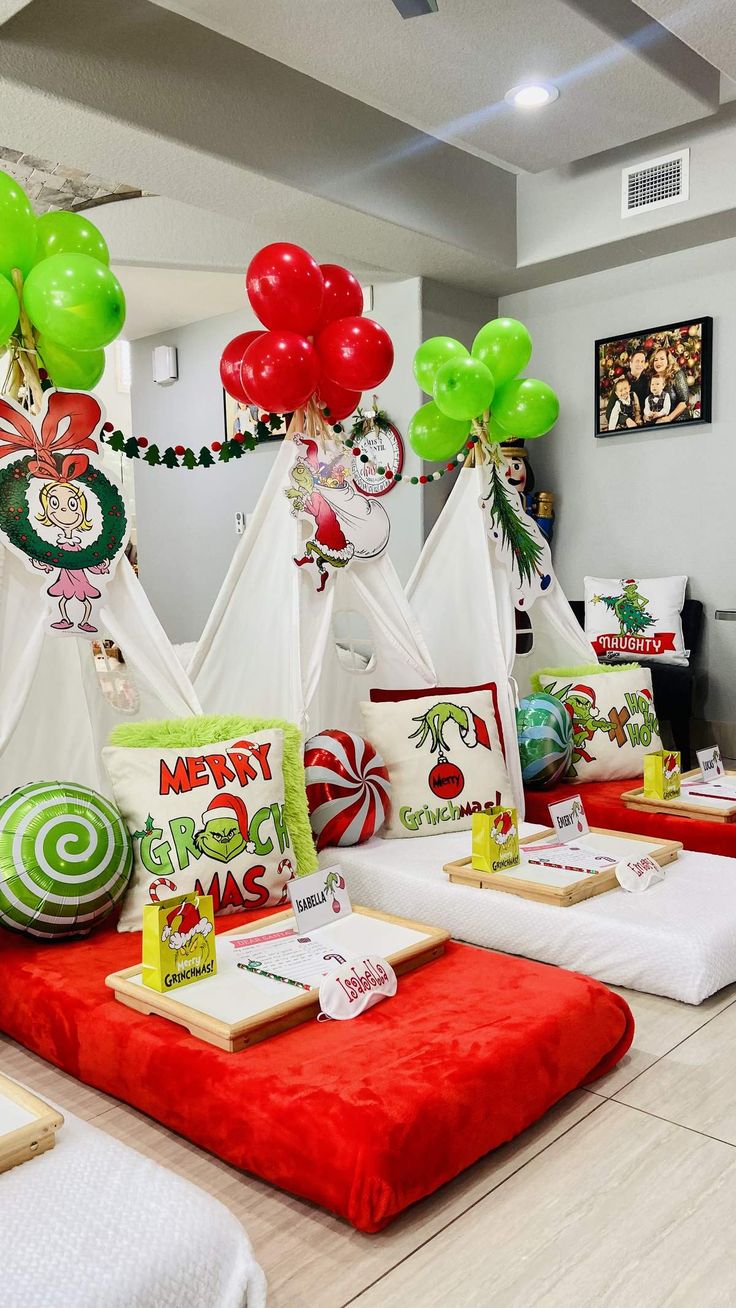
(93, 1224)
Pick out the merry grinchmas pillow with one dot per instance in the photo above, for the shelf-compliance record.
(444, 756)
(206, 818)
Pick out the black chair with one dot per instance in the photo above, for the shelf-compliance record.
(673, 686)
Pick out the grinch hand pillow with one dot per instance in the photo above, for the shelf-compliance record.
(212, 818)
(613, 720)
(636, 617)
(444, 757)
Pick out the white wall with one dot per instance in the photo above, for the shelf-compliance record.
(650, 504)
(186, 532)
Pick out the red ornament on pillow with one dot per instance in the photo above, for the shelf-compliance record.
(348, 788)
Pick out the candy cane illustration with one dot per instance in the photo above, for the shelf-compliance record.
(337, 957)
(154, 888)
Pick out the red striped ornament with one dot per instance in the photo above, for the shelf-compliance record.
(348, 788)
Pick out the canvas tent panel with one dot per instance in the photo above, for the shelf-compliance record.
(269, 646)
(54, 718)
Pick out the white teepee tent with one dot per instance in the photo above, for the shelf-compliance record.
(54, 717)
(462, 597)
(269, 647)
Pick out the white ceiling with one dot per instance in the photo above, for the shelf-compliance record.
(446, 73)
(708, 26)
(160, 299)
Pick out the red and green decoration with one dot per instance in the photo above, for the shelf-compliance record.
(479, 393)
(186, 456)
(60, 304)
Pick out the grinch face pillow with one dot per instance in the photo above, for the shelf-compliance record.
(444, 756)
(208, 818)
(637, 618)
(613, 720)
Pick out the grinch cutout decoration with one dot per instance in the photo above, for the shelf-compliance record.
(59, 511)
(344, 525)
(519, 544)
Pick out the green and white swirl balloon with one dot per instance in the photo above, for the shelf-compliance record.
(65, 859)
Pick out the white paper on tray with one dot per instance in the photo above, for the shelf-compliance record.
(718, 794)
(573, 856)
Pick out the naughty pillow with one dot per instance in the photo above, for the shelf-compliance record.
(636, 618)
(444, 757)
(221, 816)
(613, 719)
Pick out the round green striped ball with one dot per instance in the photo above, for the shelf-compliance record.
(544, 731)
(65, 859)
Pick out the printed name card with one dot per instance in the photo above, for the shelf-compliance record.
(319, 899)
(568, 818)
(639, 873)
(711, 763)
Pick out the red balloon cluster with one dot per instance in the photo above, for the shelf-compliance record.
(317, 343)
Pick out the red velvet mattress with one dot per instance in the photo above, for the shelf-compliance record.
(362, 1117)
(604, 808)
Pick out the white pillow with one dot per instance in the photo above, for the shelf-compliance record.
(444, 758)
(633, 618)
(208, 818)
(613, 719)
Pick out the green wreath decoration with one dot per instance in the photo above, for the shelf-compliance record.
(16, 524)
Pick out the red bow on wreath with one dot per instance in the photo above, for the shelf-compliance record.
(83, 413)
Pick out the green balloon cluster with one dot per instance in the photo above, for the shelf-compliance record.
(74, 303)
(481, 384)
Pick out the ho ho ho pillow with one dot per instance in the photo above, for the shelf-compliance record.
(613, 720)
(443, 750)
(215, 805)
(640, 618)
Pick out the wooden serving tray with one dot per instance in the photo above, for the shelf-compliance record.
(684, 805)
(560, 887)
(28, 1126)
(234, 1009)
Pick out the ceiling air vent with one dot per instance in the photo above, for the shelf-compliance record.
(654, 184)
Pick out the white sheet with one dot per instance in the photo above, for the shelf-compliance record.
(677, 939)
(94, 1223)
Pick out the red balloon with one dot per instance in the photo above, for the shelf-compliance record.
(336, 399)
(343, 295)
(231, 363)
(285, 288)
(280, 371)
(357, 353)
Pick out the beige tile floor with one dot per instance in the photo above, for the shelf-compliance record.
(623, 1196)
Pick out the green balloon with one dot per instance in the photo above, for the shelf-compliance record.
(526, 407)
(463, 388)
(496, 433)
(70, 233)
(75, 301)
(65, 859)
(435, 437)
(9, 309)
(74, 370)
(17, 228)
(505, 346)
(430, 357)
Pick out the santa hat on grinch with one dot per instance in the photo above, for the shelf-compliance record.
(311, 455)
(184, 922)
(503, 828)
(585, 692)
(647, 694)
(475, 732)
(230, 806)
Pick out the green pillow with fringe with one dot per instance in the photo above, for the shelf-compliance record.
(613, 719)
(214, 804)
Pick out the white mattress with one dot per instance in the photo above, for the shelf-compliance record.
(678, 938)
(93, 1223)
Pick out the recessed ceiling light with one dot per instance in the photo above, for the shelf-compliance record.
(532, 95)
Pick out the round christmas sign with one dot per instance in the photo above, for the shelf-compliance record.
(385, 449)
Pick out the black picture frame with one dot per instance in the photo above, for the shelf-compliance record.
(689, 345)
(243, 417)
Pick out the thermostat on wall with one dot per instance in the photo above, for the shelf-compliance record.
(165, 365)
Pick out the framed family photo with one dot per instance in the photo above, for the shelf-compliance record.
(241, 419)
(654, 378)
